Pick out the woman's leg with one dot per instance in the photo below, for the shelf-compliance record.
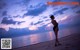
(56, 36)
(57, 41)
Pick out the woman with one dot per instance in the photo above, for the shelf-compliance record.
(55, 29)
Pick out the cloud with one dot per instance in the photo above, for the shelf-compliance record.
(44, 17)
(75, 6)
(2, 31)
(1, 18)
(29, 21)
(78, 12)
(26, 2)
(38, 22)
(32, 21)
(13, 8)
(6, 20)
(36, 11)
(16, 10)
(16, 23)
(33, 27)
(60, 11)
(4, 26)
(4, 13)
(2, 4)
(64, 18)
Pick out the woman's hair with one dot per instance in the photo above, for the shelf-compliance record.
(52, 17)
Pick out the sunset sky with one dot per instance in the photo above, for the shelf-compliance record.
(19, 17)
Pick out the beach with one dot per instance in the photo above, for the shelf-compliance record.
(70, 42)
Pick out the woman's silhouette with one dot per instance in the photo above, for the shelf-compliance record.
(55, 29)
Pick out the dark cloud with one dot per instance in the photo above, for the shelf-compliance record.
(47, 19)
(31, 6)
(44, 17)
(63, 9)
(75, 6)
(36, 11)
(17, 16)
(4, 13)
(38, 22)
(78, 12)
(2, 4)
(2, 31)
(6, 21)
(20, 22)
(18, 32)
(26, 2)
(60, 11)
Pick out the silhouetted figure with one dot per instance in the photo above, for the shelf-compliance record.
(55, 29)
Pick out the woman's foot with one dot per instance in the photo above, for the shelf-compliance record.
(57, 44)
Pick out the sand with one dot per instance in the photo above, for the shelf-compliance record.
(71, 42)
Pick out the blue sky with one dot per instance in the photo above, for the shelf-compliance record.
(32, 16)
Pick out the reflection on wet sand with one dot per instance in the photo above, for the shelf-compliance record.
(51, 35)
(34, 38)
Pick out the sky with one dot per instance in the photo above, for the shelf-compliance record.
(33, 16)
